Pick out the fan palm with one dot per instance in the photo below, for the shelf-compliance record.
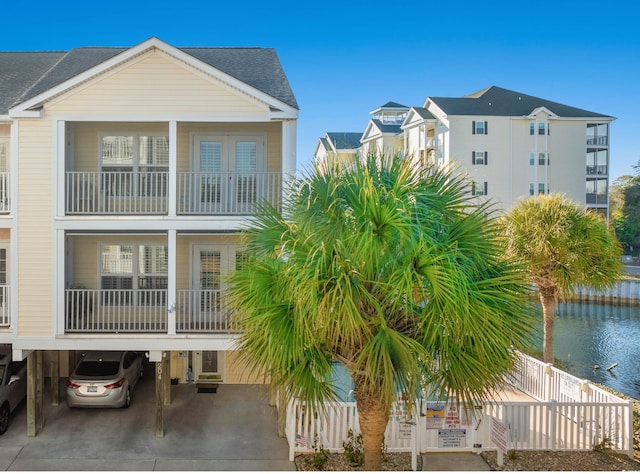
(562, 245)
(389, 268)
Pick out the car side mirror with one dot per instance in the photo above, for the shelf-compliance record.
(13, 378)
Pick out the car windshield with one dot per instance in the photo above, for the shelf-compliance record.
(94, 368)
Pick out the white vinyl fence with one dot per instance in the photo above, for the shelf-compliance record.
(568, 414)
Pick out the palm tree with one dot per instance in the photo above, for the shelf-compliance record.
(390, 269)
(562, 246)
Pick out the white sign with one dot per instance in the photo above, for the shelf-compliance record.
(452, 438)
(499, 434)
(405, 430)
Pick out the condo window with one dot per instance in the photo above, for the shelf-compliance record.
(532, 128)
(134, 267)
(541, 128)
(479, 127)
(479, 157)
(543, 159)
(479, 188)
(135, 165)
(542, 188)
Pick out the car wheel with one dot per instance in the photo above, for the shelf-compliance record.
(127, 399)
(4, 418)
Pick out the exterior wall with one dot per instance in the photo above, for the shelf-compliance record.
(35, 232)
(155, 85)
(236, 370)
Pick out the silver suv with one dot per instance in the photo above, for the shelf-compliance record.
(13, 385)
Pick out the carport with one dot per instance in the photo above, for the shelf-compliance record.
(232, 428)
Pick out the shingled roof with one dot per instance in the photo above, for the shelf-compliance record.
(503, 102)
(24, 75)
(345, 140)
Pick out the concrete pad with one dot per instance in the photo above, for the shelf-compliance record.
(70, 465)
(8, 454)
(453, 462)
(223, 465)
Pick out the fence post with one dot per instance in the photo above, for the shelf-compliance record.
(630, 429)
(291, 428)
(553, 423)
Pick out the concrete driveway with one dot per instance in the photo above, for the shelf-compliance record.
(233, 429)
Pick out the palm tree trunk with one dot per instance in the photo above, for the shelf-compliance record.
(548, 300)
(373, 415)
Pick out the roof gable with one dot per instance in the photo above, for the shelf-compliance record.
(345, 140)
(257, 71)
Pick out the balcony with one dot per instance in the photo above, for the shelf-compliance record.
(147, 193)
(597, 170)
(5, 313)
(145, 311)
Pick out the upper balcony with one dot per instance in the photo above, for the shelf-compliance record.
(187, 169)
(146, 193)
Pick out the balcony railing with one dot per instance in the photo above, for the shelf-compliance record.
(600, 169)
(116, 192)
(145, 311)
(5, 314)
(227, 193)
(203, 311)
(127, 192)
(116, 311)
(598, 140)
(4, 193)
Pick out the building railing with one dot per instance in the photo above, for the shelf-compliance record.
(598, 140)
(116, 192)
(203, 311)
(5, 313)
(597, 170)
(146, 192)
(227, 193)
(146, 311)
(116, 311)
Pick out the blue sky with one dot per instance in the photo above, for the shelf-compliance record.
(344, 59)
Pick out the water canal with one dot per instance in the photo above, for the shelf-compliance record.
(589, 335)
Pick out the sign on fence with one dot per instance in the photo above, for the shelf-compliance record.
(499, 437)
(452, 438)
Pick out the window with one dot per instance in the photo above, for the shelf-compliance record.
(479, 188)
(597, 134)
(135, 165)
(542, 188)
(597, 160)
(134, 267)
(543, 159)
(596, 190)
(479, 127)
(4, 152)
(541, 128)
(479, 157)
(532, 128)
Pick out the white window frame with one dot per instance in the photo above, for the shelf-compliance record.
(480, 127)
(137, 165)
(137, 273)
(480, 158)
(479, 188)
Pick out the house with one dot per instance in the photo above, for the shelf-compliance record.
(511, 145)
(127, 174)
(338, 146)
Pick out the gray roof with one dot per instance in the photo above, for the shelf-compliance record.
(503, 102)
(386, 127)
(393, 105)
(24, 75)
(345, 140)
(423, 113)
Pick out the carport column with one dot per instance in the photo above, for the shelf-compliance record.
(55, 379)
(166, 385)
(39, 390)
(34, 392)
(156, 356)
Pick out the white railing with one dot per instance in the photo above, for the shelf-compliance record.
(5, 193)
(203, 311)
(5, 313)
(227, 193)
(111, 311)
(569, 414)
(116, 192)
(546, 383)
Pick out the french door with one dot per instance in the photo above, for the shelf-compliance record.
(225, 178)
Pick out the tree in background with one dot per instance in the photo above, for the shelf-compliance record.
(562, 245)
(394, 271)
